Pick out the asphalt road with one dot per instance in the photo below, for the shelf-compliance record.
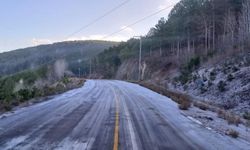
(108, 115)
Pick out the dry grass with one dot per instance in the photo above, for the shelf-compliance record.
(232, 133)
(231, 118)
(183, 100)
(201, 105)
(184, 105)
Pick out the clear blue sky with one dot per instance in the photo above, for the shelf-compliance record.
(26, 23)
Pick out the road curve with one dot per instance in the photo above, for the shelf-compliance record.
(108, 115)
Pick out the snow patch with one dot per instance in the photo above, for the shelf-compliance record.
(194, 120)
(209, 128)
(75, 145)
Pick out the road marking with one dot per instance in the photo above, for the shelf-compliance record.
(116, 135)
(130, 128)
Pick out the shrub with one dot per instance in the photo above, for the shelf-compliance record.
(184, 78)
(7, 107)
(209, 83)
(204, 78)
(25, 94)
(36, 92)
(203, 89)
(65, 80)
(176, 79)
(185, 87)
(212, 75)
(15, 103)
(233, 133)
(211, 54)
(229, 104)
(221, 86)
(6, 89)
(59, 88)
(230, 77)
(187, 69)
(184, 105)
(195, 77)
(212, 78)
(193, 63)
(231, 119)
(234, 69)
(47, 90)
(221, 114)
(246, 115)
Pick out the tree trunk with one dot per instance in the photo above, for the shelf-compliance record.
(209, 39)
(213, 26)
(193, 47)
(189, 51)
(178, 49)
(206, 34)
(160, 49)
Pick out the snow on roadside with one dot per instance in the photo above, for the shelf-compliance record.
(194, 120)
(211, 121)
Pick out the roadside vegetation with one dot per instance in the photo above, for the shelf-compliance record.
(182, 100)
(44, 81)
(231, 118)
(233, 133)
(201, 105)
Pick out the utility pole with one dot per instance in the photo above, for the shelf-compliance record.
(140, 52)
(79, 68)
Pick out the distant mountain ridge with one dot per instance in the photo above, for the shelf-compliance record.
(73, 52)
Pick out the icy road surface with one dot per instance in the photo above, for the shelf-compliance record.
(108, 115)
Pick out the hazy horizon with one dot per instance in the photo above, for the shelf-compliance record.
(47, 22)
(20, 48)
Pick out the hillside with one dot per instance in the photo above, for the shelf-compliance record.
(202, 49)
(226, 83)
(75, 53)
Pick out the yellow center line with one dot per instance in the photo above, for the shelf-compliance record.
(116, 135)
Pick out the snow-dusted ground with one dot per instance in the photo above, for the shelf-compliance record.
(233, 95)
(211, 121)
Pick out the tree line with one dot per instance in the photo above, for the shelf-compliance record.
(194, 28)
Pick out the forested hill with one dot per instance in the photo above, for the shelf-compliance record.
(194, 29)
(201, 49)
(75, 53)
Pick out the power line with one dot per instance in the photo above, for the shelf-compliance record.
(138, 21)
(97, 19)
